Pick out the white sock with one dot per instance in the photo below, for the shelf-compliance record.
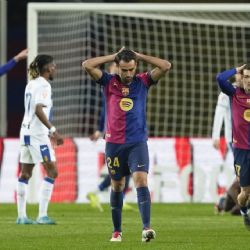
(45, 195)
(21, 198)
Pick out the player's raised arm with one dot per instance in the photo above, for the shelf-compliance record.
(162, 66)
(92, 65)
(223, 82)
(21, 55)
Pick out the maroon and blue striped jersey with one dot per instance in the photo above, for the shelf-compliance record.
(125, 107)
(240, 105)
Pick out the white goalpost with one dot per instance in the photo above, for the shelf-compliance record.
(199, 39)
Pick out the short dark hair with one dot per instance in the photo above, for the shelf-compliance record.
(126, 55)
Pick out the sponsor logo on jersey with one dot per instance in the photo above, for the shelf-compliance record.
(246, 115)
(126, 104)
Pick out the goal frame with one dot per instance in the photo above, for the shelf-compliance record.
(33, 8)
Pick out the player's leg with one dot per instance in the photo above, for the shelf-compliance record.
(22, 185)
(116, 203)
(242, 169)
(139, 165)
(46, 193)
(116, 162)
(93, 196)
(127, 206)
(105, 183)
(45, 152)
(231, 202)
(27, 166)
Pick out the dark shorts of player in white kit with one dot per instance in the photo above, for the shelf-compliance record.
(242, 165)
(124, 159)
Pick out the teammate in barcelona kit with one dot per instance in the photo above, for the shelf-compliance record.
(36, 135)
(106, 182)
(240, 102)
(126, 131)
(228, 201)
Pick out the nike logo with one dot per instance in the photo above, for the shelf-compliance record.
(140, 166)
(43, 149)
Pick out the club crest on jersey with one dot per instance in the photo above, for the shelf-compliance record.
(125, 91)
(126, 104)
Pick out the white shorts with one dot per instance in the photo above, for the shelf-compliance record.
(36, 149)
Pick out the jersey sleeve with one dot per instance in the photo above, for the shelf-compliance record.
(101, 124)
(147, 79)
(104, 80)
(43, 96)
(8, 66)
(226, 86)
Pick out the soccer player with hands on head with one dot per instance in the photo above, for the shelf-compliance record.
(228, 202)
(11, 63)
(126, 130)
(36, 134)
(240, 102)
(106, 182)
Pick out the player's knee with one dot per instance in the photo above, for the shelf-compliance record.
(140, 179)
(117, 186)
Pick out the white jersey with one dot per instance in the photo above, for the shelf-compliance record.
(37, 91)
(222, 114)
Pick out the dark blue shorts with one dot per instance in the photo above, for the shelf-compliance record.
(124, 159)
(242, 165)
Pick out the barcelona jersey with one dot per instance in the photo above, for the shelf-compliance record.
(125, 107)
(240, 105)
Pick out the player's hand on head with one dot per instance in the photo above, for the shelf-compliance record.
(240, 68)
(137, 55)
(120, 50)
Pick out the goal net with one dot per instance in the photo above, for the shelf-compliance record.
(199, 41)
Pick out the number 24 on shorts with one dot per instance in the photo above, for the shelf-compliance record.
(113, 163)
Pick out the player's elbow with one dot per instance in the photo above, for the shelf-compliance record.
(219, 78)
(86, 65)
(166, 66)
(39, 109)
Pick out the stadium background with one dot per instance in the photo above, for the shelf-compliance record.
(186, 226)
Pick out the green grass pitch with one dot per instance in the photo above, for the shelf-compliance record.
(178, 226)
